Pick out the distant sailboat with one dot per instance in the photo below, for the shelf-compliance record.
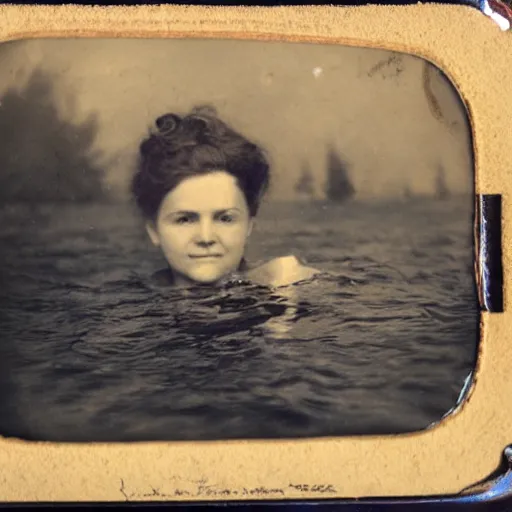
(407, 192)
(339, 188)
(441, 188)
(305, 184)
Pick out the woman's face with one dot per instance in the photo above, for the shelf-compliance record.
(202, 228)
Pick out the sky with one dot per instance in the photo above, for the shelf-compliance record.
(294, 99)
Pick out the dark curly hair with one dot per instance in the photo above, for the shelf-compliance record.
(195, 144)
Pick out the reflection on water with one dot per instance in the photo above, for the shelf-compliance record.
(92, 349)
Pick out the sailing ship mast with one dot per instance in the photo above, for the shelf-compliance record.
(339, 187)
(407, 192)
(305, 184)
(441, 188)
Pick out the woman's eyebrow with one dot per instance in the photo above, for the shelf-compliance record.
(181, 212)
(226, 210)
(195, 212)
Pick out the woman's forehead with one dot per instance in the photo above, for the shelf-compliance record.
(209, 192)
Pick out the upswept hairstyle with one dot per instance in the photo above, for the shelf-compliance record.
(196, 144)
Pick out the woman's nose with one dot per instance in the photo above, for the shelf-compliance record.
(206, 235)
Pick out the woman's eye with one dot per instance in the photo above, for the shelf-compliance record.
(182, 220)
(227, 218)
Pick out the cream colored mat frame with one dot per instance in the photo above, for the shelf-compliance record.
(464, 448)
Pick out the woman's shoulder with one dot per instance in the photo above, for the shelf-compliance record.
(281, 271)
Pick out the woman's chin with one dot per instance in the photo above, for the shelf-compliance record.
(206, 278)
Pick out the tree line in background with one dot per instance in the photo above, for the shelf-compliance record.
(44, 156)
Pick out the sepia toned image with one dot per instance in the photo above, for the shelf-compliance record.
(207, 239)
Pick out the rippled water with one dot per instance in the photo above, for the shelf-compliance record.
(381, 342)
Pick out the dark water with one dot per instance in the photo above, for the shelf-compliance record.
(381, 343)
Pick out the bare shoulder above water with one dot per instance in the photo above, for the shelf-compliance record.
(281, 271)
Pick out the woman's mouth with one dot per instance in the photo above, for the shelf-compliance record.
(205, 256)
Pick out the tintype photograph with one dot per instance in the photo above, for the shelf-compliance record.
(224, 239)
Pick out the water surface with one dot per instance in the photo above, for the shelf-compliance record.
(91, 349)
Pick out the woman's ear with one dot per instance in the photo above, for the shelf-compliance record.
(152, 232)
